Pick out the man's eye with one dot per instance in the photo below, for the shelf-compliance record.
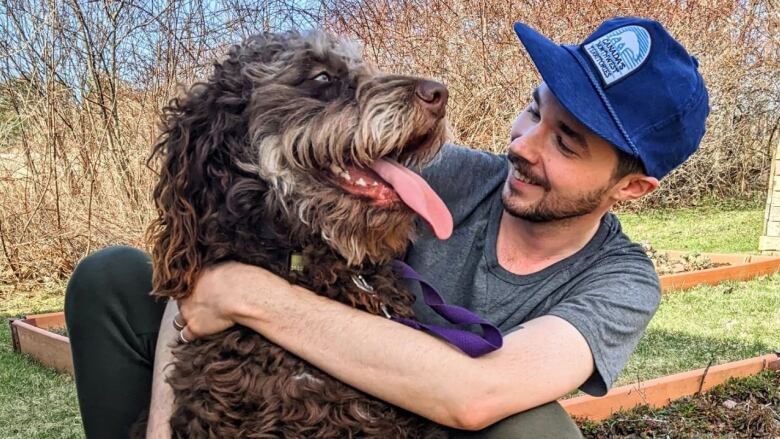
(563, 148)
(322, 77)
(534, 113)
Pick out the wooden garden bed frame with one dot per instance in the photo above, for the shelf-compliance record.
(741, 267)
(660, 392)
(30, 335)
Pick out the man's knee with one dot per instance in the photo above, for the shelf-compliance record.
(546, 421)
(105, 275)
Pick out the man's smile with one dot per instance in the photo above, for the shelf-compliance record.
(520, 175)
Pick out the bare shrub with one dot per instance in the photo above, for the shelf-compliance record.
(471, 47)
(81, 85)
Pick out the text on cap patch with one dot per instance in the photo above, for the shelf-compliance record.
(619, 52)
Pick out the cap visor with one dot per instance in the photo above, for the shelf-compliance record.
(569, 83)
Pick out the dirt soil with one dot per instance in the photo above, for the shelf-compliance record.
(742, 408)
(61, 330)
(687, 262)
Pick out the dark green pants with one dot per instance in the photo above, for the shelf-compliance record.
(113, 324)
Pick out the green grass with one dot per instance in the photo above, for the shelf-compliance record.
(31, 298)
(704, 229)
(731, 321)
(723, 323)
(35, 401)
(727, 322)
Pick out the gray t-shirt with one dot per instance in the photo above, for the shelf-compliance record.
(608, 290)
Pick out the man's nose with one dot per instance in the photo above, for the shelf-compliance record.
(529, 144)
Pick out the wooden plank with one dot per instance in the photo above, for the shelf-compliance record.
(714, 276)
(769, 244)
(723, 258)
(660, 392)
(48, 320)
(773, 170)
(773, 226)
(14, 337)
(50, 349)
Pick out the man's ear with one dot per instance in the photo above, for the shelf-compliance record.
(634, 186)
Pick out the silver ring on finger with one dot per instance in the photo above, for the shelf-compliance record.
(176, 324)
(181, 337)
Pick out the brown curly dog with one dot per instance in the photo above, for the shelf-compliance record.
(292, 156)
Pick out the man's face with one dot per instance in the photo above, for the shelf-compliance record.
(558, 168)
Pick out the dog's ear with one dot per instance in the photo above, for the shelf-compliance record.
(200, 132)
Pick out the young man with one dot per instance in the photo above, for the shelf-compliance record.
(535, 251)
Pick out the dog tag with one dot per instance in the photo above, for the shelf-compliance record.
(296, 262)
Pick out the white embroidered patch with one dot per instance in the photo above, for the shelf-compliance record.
(619, 52)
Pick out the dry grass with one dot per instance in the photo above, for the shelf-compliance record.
(81, 87)
(471, 46)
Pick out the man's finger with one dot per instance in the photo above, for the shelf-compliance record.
(178, 322)
(185, 335)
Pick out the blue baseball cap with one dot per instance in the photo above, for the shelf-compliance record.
(632, 84)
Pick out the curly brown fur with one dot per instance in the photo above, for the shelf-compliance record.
(247, 174)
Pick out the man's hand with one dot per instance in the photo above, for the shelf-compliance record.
(221, 295)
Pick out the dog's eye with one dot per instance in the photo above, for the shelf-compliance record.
(322, 77)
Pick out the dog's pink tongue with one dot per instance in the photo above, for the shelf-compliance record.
(416, 193)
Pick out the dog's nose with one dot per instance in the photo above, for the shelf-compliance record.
(433, 96)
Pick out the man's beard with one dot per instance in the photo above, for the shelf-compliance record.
(551, 207)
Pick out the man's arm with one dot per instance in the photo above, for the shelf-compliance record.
(161, 406)
(544, 360)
